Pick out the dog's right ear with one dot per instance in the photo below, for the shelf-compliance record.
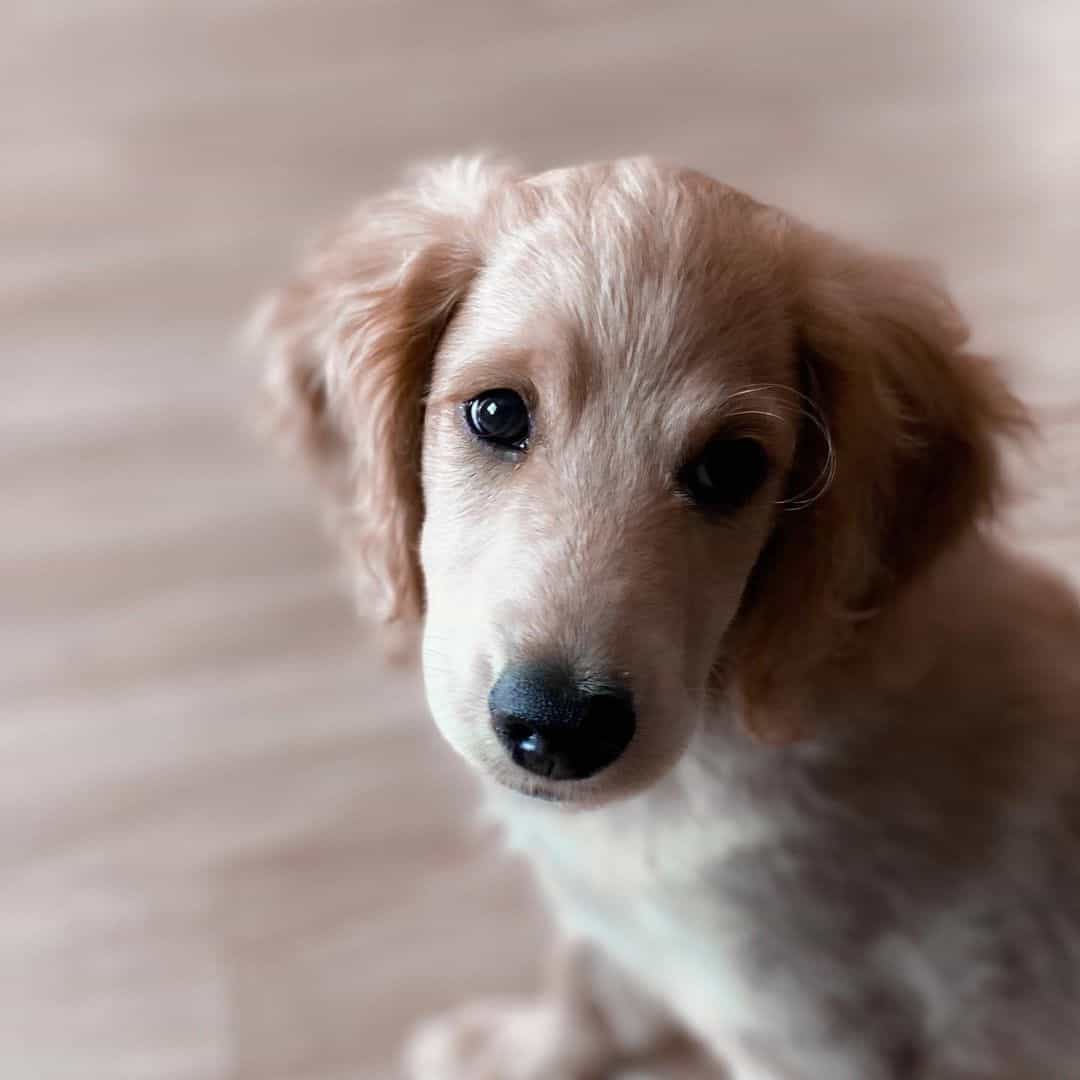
(349, 345)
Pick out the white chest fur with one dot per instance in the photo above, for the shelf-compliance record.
(651, 882)
(764, 915)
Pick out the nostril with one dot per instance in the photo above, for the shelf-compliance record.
(528, 747)
(519, 734)
(552, 726)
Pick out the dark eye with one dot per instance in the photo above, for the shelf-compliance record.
(726, 474)
(499, 417)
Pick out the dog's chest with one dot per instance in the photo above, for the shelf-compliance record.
(752, 927)
(660, 894)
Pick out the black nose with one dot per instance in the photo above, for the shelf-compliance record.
(558, 727)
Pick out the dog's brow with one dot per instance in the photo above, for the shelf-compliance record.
(763, 408)
(508, 367)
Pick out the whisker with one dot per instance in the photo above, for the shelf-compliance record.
(809, 409)
(757, 412)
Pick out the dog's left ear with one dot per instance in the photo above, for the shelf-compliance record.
(910, 462)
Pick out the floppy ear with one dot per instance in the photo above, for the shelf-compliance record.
(349, 346)
(909, 464)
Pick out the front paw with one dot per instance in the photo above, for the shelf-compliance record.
(506, 1040)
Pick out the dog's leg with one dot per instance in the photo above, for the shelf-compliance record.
(591, 1024)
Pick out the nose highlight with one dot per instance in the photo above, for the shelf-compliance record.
(557, 727)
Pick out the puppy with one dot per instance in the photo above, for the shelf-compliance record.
(688, 497)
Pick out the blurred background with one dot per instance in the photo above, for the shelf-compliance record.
(231, 845)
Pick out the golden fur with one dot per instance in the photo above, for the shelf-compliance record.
(843, 843)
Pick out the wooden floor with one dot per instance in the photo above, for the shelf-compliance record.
(230, 844)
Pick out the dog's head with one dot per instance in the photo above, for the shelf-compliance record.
(625, 439)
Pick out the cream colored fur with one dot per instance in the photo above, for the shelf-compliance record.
(844, 843)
